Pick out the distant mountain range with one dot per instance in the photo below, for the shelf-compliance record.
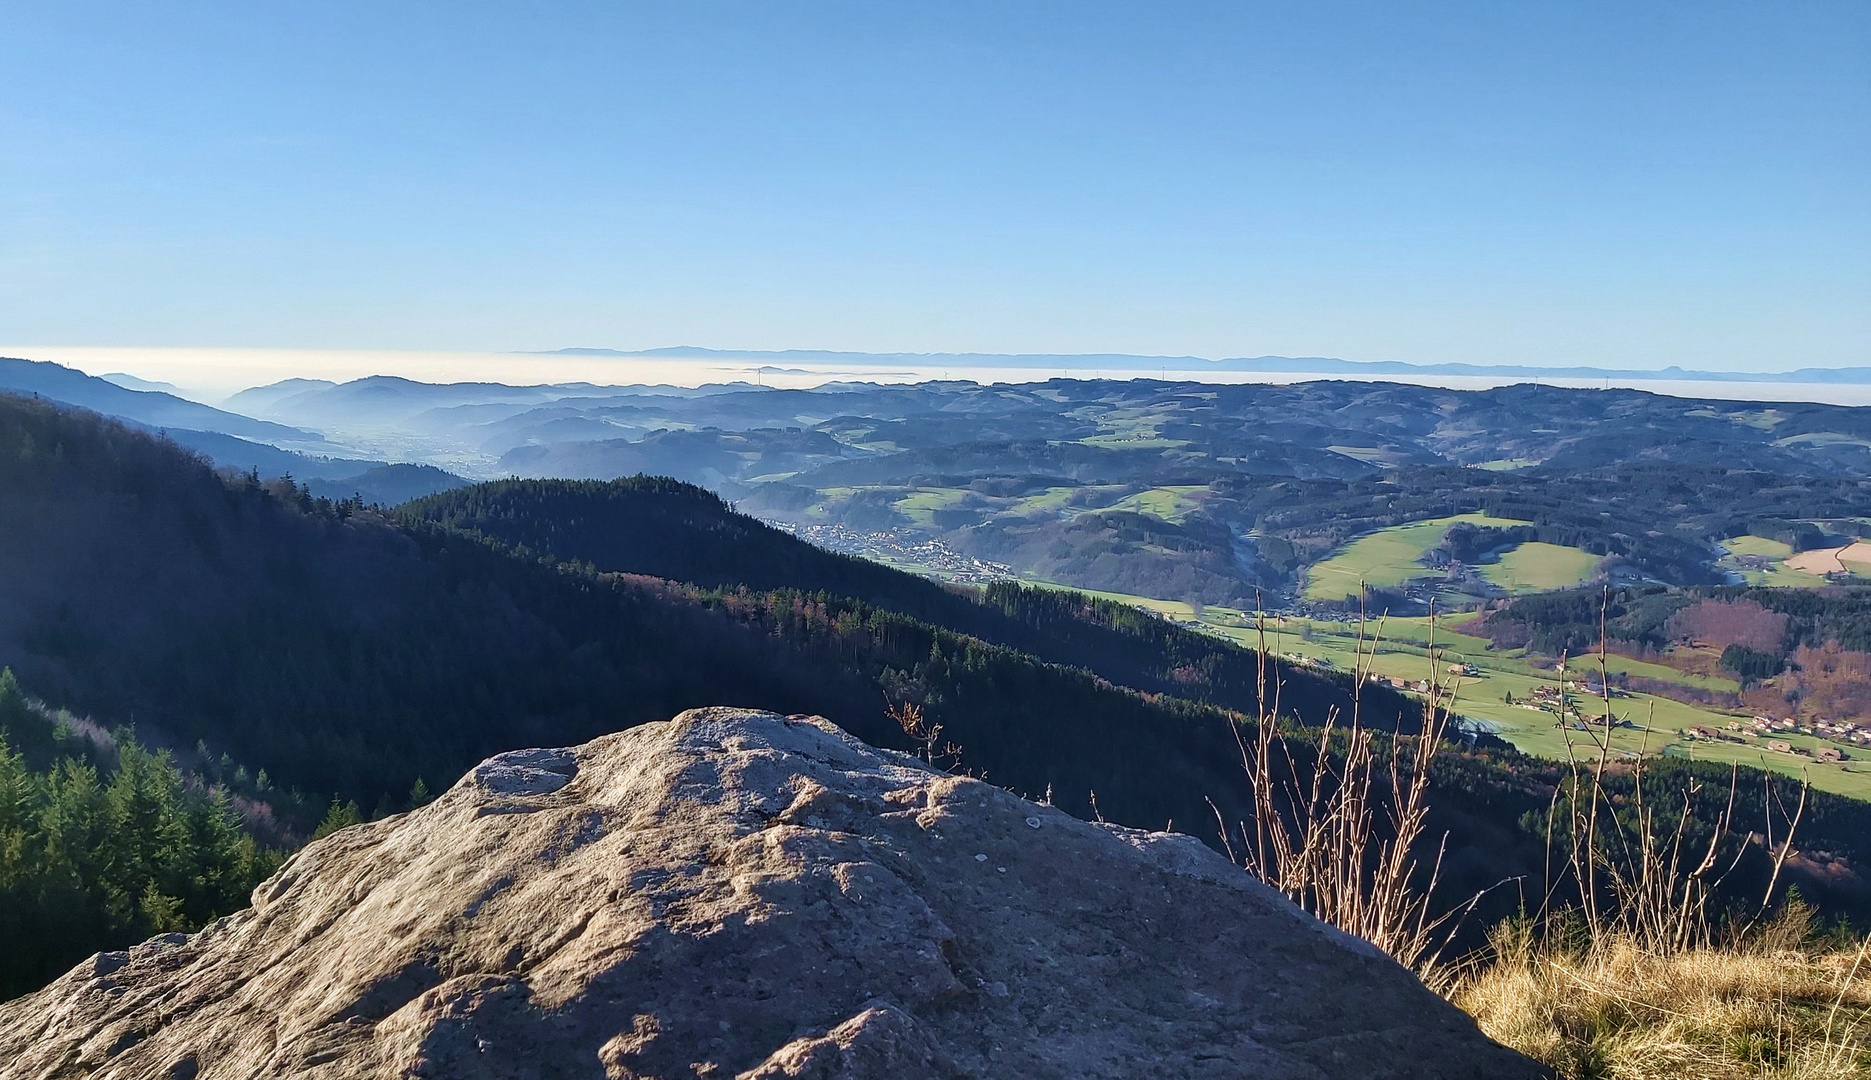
(1298, 365)
(147, 408)
(230, 440)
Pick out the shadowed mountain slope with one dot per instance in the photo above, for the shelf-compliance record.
(669, 529)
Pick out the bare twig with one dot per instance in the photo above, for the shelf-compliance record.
(1339, 825)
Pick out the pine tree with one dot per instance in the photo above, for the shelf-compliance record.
(26, 732)
(13, 711)
(221, 858)
(89, 864)
(148, 839)
(160, 914)
(340, 816)
(18, 814)
(75, 821)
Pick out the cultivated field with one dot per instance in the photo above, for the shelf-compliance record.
(1852, 558)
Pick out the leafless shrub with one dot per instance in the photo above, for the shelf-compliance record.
(928, 733)
(1340, 812)
(1635, 873)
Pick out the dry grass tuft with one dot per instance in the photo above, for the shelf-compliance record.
(1617, 1010)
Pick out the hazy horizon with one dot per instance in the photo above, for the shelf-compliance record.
(212, 375)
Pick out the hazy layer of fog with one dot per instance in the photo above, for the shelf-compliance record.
(212, 375)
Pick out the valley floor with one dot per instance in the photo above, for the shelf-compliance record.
(1401, 653)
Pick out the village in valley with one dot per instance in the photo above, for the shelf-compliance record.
(1834, 735)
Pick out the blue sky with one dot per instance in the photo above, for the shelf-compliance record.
(1624, 184)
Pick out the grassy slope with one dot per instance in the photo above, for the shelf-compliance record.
(1385, 558)
(1172, 504)
(1538, 567)
(920, 506)
(1392, 556)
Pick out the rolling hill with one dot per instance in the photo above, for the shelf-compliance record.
(1267, 480)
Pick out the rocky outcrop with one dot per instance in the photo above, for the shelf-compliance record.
(742, 895)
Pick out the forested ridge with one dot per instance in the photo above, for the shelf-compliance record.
(665, 528)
